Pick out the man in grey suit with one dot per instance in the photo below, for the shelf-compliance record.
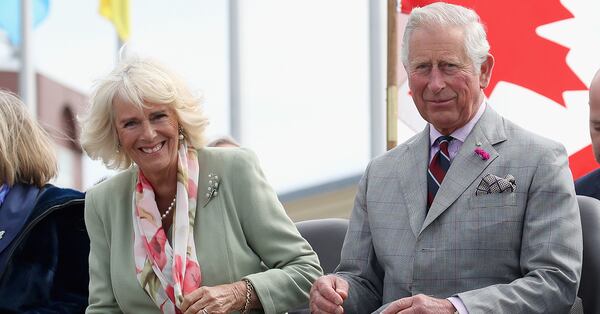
(472, 215)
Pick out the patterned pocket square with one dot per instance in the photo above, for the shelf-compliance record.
(493, 184)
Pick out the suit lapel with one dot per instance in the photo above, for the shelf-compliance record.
(413, 171)
(467, 166)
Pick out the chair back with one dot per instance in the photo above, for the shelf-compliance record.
(590, 275)
(326, 236)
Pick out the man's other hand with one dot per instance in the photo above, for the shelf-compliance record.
(420, 304)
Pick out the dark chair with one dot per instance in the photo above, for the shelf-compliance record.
(590, 276)
(326, 237)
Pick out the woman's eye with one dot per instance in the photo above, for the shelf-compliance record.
(159, 116)
(129, 124)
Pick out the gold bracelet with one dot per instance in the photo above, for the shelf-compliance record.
(249, 289)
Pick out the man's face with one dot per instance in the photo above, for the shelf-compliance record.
(595, 115)
(444, 84)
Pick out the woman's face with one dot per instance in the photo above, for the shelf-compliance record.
(148, 136)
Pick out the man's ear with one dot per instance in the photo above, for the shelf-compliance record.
(406, 71)
(486, 71)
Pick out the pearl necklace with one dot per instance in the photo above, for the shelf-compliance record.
(169, 209)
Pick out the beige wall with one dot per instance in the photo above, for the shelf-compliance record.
(331, 204)
(58, 105)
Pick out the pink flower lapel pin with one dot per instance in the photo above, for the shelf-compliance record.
(482, 153)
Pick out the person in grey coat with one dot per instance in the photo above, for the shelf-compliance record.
(472, 215)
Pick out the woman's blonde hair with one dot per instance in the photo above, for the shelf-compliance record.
(26, 153)
(141, 83)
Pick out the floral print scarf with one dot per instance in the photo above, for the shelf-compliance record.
(167, 272)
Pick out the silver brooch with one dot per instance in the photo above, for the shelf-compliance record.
(213, 186)
(2, 234)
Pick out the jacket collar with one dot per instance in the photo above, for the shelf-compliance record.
(15, 211)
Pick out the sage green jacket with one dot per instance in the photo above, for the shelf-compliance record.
(243, 232)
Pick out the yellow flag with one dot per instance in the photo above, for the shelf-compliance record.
(117, 11)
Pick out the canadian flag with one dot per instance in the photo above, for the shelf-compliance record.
(546, 52)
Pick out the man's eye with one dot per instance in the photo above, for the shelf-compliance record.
(421, 68)
(450, 68)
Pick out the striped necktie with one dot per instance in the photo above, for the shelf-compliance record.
(437, 168)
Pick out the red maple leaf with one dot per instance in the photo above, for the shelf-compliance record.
(522, 56)
(582, 162)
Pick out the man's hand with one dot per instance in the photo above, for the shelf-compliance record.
(327, 295)
(420, 304)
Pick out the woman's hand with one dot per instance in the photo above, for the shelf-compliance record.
(218, 299)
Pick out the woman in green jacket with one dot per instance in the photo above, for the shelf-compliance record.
(184, 228)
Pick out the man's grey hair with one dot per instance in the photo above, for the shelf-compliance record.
(223, 141)
(449, 15)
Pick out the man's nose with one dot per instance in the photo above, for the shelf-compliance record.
(436, 80)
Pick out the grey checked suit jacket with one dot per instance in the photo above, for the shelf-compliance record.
(516, 252)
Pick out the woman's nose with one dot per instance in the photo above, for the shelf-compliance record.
(148, 131)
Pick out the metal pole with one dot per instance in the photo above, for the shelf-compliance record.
(235, 110)
(27, 83)
(376, 68)
(121, 50)
(392, 73)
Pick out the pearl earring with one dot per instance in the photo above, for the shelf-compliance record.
(181, 136)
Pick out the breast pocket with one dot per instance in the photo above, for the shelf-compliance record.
(493, 200)
(494, 221)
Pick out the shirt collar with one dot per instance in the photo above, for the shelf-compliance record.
(4, 189)
(462, 132)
